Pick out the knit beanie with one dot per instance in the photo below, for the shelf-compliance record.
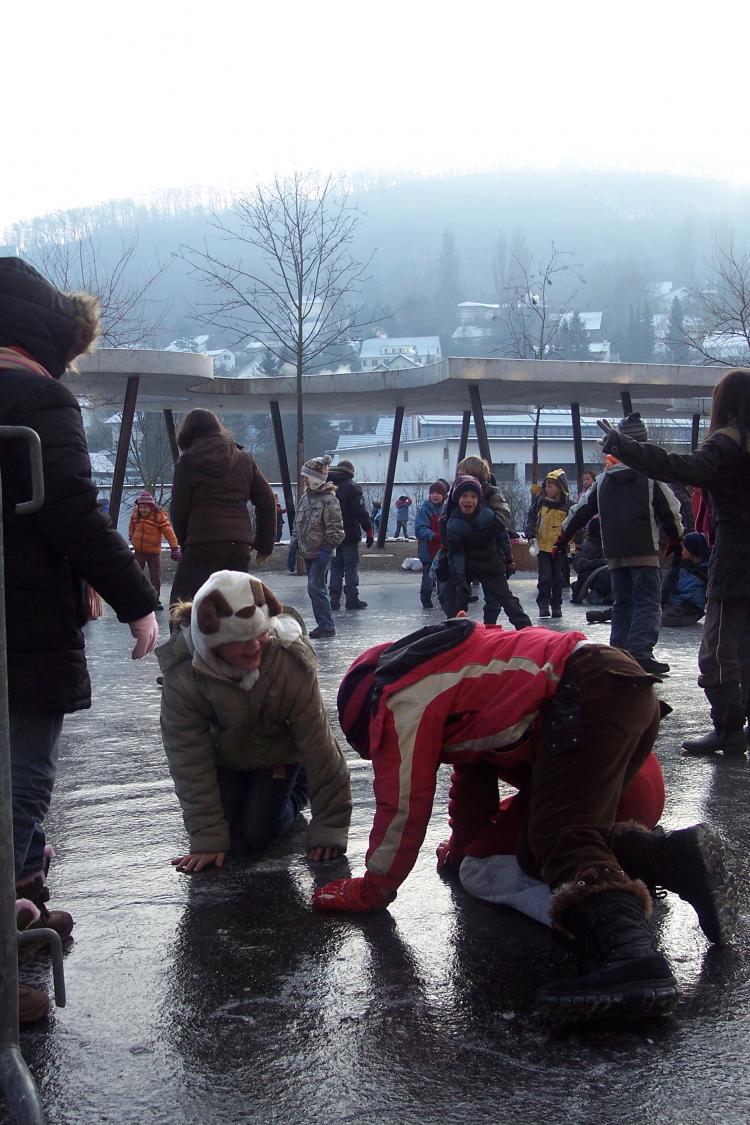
(347, 467)
(234, 606)
(316, 471)
(438, 486)
(146, 497)
(633, 426)
(466, 484)
(697, 544)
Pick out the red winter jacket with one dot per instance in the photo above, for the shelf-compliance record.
(461, 707)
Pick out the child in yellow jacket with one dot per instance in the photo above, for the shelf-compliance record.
(544, 523)
(148, 526)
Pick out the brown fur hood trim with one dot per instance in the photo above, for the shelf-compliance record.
(591, 881)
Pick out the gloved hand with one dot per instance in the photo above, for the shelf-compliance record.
(560, 546)
(612, 442)
(175, 553)
(146, 633)
(510, 568)
(369, 539)
(356, 896)
(673, 550)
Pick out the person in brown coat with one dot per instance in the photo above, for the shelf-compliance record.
(213, 481)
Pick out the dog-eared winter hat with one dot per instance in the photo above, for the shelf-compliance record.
(316, 469)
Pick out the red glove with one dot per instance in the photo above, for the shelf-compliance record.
(369, 539)
(356, 896)
(175, 553)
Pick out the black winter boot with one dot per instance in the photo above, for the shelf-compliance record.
(728, 718)
(690, 862)
(621, 973)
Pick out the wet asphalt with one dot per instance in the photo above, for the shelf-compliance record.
(223, 998)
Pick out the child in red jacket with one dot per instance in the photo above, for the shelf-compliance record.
(570, 724)
(148, 526)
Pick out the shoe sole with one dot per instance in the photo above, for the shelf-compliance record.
(717, 915)
(641, 1000)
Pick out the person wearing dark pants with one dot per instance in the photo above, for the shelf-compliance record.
(721, 468)
(543, 524)
(634, 510)
(356, 519)
(427, 531)
(570, 724)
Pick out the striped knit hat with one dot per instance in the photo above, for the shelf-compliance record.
(316, 470)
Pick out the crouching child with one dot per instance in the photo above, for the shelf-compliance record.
(244, 726)
(569, 724)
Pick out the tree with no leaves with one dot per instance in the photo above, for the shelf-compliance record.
(722, 332)
(288, 277)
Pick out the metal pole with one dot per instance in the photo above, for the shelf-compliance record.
(694, 432)
(391, 474)
(464, 439)
(172, 435)
(286, 483)
(575, 417)
(627, 403)
(123, 446)
(22, 1100)
(478, 412)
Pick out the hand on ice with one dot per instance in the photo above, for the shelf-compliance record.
(197, 861)
(324, 854)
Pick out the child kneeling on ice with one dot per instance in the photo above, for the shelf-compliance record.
(570, 724)
(244, 726)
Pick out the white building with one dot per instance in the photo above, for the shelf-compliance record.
(429, 446)
(394, 353)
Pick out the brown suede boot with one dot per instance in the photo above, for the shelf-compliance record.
(34, 888)
(33, 1005)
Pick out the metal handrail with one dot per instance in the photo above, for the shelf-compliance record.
(22, 1098)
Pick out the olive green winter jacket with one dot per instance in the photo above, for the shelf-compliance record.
(208, 722)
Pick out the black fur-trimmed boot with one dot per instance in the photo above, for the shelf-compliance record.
(621, 973)
(728, 718)
(691, 862)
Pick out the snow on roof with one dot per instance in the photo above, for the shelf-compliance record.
(100, 463)
(592, 321)
(423, 345)
(476, 305)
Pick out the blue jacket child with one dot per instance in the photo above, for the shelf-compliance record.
(427, 531)
(687, 600)
(478, 549)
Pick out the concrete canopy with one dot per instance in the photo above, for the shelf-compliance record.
(181, 380)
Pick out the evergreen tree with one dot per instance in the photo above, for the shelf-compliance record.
(573, 340)
(640, 341)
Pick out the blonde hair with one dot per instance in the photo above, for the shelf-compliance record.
(474, 467)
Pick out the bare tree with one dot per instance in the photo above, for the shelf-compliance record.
(720, 332)
(69, 253)
(150, 454)
(289, 276)
(532, 323)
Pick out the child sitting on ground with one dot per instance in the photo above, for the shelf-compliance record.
(244, 726)
(477, 549)
(148, 526)
(686, 602)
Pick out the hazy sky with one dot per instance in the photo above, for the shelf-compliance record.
(106, 100)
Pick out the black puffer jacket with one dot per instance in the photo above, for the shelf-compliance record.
(213, 481)
(722, 467)
(353, 511)
(48, 553)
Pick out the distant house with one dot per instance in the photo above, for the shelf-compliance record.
(393, 353)
(476, 312)
(224, 360)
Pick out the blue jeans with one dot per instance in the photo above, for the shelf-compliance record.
(34, 743)
(427, 584)
(317, 588)
(344, 573)
(636, 611)
(261, 805)
(401, 526)
(549, 580)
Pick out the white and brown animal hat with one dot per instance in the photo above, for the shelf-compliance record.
(233, 606)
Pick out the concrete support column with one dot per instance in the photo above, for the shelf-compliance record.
(575, 417)
(391, 474)
(172, 435)
(464, 439)
(479, 425)
(694, 432)
(123, 447)
(286, 483)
